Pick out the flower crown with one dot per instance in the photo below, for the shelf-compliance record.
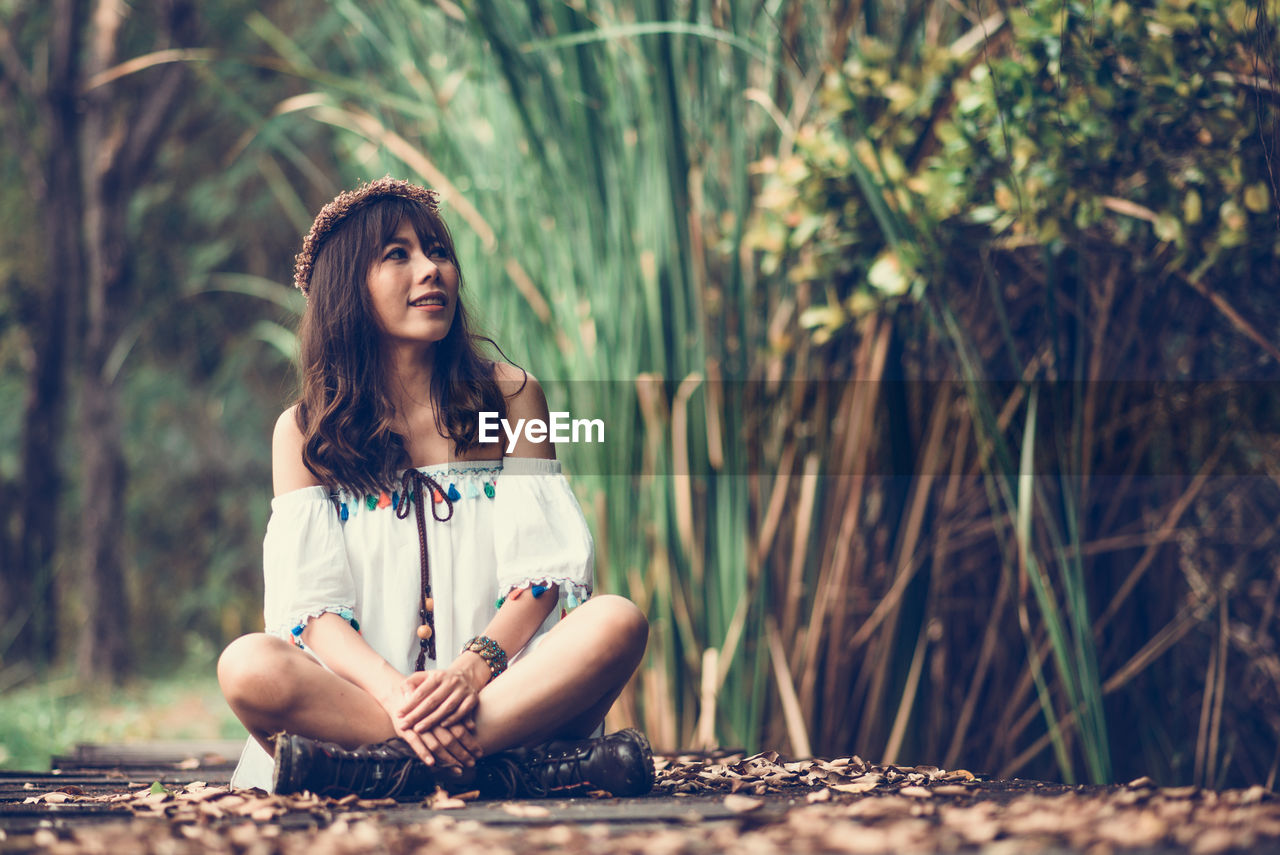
(343, 204)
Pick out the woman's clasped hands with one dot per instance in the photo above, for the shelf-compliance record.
(434, 712)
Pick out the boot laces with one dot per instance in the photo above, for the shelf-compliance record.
(563, 770)
(514, 780)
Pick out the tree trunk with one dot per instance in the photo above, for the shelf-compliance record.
(104, 649)
(104, 639)
(119, 142)
(29, 590)
(44, 415)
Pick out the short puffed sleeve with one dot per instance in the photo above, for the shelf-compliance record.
(304, 564)
(541, 535)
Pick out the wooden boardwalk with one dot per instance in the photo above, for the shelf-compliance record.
(172, 799)
(100, 770)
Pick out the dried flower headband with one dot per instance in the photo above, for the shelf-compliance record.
(343, 204)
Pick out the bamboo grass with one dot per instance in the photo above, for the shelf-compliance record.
(599, 159)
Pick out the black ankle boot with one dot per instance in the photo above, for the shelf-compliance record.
(385, 770)
(620, 764)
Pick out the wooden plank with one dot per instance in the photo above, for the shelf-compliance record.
(206, 754)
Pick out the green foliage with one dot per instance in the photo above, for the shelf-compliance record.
(50, 718)
(1132, 125)
(1048, 156)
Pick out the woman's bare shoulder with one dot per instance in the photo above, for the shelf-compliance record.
(521, 389)
(506, 373)
(288, 472)
(527, 401)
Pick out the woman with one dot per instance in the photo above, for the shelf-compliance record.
(406, 562)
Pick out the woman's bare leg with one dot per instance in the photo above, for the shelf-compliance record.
(273, 686)
(563, 688)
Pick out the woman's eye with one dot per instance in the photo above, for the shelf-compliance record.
(396, 253)
(438, 251)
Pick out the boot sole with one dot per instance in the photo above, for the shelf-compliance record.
(282, 776)
(646, 752)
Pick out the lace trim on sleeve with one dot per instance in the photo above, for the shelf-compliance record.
(300, 623)
(572, 593)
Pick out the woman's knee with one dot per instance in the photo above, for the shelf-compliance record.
(624, 620)
(252, 671)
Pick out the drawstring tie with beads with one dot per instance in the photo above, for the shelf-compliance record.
(415, 486)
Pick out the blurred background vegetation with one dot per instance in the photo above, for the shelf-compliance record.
(936, 342)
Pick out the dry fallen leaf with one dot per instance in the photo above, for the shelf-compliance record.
(859, 785)
(448, 804)
(526, 811)
(244, 835)
(439, 800)
(369, 804)
(1253, 795)
(951, 790)
(886, 806)
(823, 795)
(1212, 841)
(742, 804)
(916, 792)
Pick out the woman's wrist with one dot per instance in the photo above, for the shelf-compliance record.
(472, 668)
(388, 687)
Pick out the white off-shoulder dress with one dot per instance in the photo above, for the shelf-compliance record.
(515, 524)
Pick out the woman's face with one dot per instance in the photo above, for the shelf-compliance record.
(414, 288)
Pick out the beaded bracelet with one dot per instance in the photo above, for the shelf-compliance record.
(490, 651)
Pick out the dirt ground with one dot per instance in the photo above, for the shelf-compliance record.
(755, 805)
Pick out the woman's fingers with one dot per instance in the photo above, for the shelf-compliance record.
(456, 746)
(468, 740)
(440, 755)
(464, 714)
(416, 688)
(443, 711)
(439, 708)
(431, 711)
(418, 742)
(432, 698)
(424, 710)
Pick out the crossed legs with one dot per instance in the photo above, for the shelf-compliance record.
(561, 689)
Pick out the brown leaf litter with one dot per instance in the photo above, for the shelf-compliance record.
(766, 773)
(844, 805)
(198, 801)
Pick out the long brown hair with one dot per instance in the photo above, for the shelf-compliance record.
(346, 417)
